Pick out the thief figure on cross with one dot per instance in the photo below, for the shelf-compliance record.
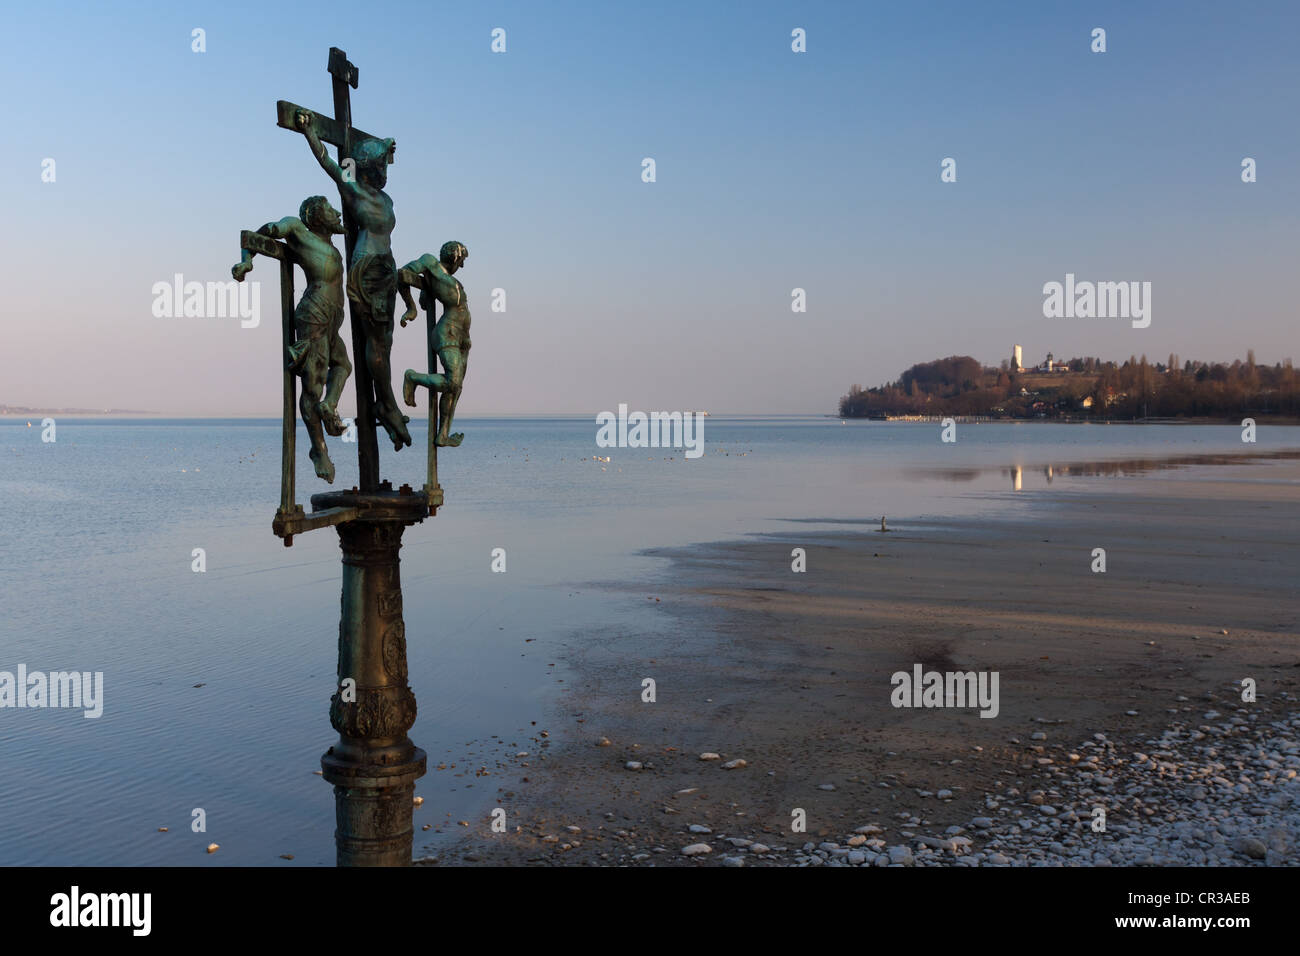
(372, 273)
(318, 355)
(449, 339)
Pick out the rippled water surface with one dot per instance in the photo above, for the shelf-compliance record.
(98, 529)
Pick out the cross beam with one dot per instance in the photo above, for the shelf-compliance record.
(328, 129)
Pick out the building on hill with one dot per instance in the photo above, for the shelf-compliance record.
(1051, 365)
(1017, 356)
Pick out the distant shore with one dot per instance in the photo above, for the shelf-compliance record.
(76, 413)
(791, 674)
(1260, 419)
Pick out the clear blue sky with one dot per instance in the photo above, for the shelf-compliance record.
(775, 170)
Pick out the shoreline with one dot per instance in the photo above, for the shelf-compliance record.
(790, 674)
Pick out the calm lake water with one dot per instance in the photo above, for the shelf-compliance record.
(97, 531)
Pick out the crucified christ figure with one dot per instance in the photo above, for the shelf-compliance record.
(372, 273)
(449, 338)
(317, 355)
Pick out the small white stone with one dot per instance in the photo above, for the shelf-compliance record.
(696, 849)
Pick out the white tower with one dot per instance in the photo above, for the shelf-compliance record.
(1016, 356)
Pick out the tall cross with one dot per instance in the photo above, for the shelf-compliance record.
(339, 131)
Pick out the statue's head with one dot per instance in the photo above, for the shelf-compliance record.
(372, 158)
(319, 216)
(452, 255)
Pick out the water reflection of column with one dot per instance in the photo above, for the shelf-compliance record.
(1015, 477)
(374, 765)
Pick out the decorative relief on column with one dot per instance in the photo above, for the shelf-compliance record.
(395, 650)
(390, 602)
(377, 712)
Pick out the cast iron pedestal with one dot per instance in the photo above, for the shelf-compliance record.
(374, 765)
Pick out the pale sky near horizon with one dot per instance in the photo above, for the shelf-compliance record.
(775, 170)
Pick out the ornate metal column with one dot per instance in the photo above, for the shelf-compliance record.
(374, 765)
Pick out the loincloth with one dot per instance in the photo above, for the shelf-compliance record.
(317, 315)
(372, 287)
(316, 323)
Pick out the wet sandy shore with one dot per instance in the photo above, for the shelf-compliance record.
(790, 672)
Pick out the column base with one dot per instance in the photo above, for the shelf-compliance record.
(374, 805)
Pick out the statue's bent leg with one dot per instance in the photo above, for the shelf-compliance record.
(412, 379)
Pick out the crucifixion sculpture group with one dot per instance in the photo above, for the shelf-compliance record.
(314, 350)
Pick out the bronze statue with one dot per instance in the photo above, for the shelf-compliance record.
(373, 765)
(318, 355)
(449, 339)
(372, 273)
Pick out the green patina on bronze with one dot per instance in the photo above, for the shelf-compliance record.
(372, 275)
(448, 338)
(317, 354)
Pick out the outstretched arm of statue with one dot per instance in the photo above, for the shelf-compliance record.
(244, 266)
(332, 169)
(279, 230)
(407, 277)
(413, 274)
(283, 229)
